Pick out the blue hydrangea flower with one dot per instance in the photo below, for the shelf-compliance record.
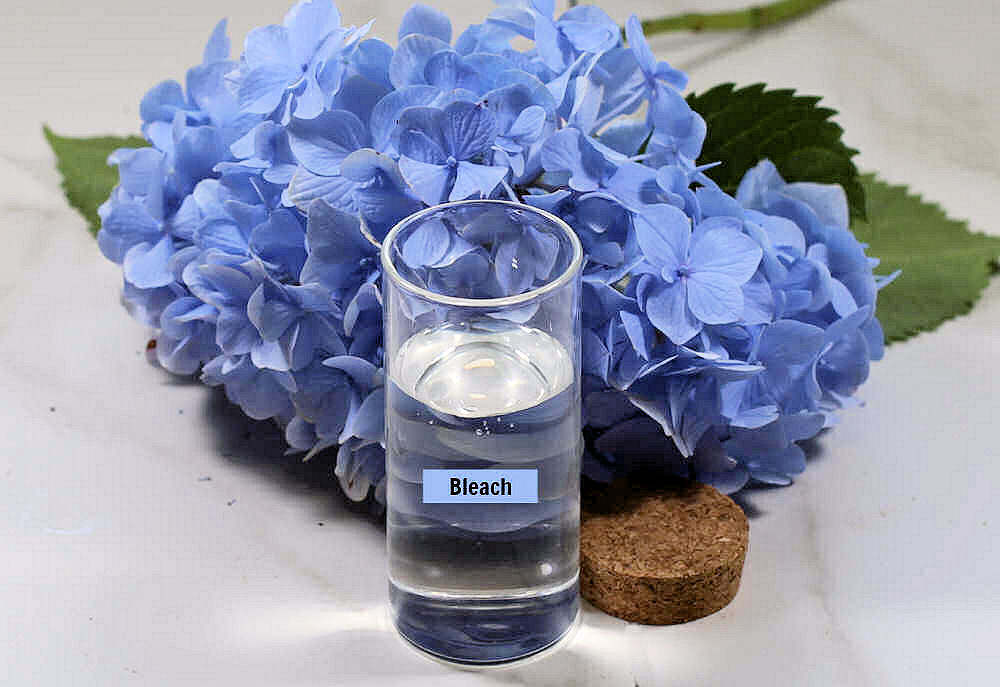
(262, 393)
(718, 331)
(694, 277)
(439, 149)
(294, 324)
(187, 338)
(294, 68)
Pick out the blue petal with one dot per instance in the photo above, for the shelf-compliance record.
(714, 298)
(234, 333)
(476, 180)
(587, 98)
(828, 201)
(447, 70)
(429, 182)
(875, 337)
(268, 355)
(528, 125)
(359, 96)
(545, 248)
(626, 136)
(315, 332)
(757, 183)
(728, 482)
(408, 62)
(221, 285)
(753, 418)
(845, 253)
(196, 154)
(147, 266)
(263, 88)
(844, 367)
(674, 77)
(218, 47)
(310, 102)
(141, 171)
(841, 299)
(468, 129)
(483, 37)
(308, 24)
(847, 325)
(637, 42)
(663, 233)
(361, 372)
(366, 300)
(280, 243)
(162, 102)
(717, 203)
(515, 19)
(549, 45)
(271, 312)
(300, 434)
(564, 151)
(369, 420)
(634, 186)
(427, 21)
(336, 247)
(385, 114)
(306, 187)
(596, 358)
(790, 342)
(127, 224)
(420, 135)
(512, 263)
(601, 302)
(267, 45)
(639, 333)
(726, 252)
(180, 317)
(589, 29)
(208, 88)
(426, 245)
(321, 144)
(222, 233)
(371, 61)
(666, 307)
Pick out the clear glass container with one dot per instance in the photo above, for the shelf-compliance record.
(483, 442)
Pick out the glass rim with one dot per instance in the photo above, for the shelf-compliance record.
(389, 269)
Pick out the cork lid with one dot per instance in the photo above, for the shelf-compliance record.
(661, 555)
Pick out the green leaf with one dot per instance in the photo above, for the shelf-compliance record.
(749, 124)
(945, 266)
(87, 177)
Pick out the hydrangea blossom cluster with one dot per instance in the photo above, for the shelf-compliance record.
(718, 331)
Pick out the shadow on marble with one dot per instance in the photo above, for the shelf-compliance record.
(744, 499)
(259, 446)
(815, 448)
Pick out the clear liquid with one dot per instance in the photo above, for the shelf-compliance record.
(483, 582)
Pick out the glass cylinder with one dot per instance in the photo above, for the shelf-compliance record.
(483, 440)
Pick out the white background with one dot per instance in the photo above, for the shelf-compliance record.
(119, 565)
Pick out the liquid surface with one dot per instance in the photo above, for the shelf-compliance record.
(489, 368)
(485, 395)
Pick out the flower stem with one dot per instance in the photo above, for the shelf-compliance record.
(510, 192)
(754, 17)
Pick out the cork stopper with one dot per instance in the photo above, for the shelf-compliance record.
(661, 556)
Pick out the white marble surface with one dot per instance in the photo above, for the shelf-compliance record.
(118, 565)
